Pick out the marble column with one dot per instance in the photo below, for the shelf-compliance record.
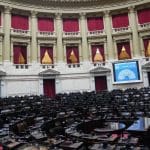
(34, 48)
(59, 51)
(135, 38)
(108, 29)
(83, 29)
(7, 27)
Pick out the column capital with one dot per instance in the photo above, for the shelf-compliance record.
(7, 9)
(58, 15)
(106, 13)
(131, 9)
(82, 14)
(33, 13)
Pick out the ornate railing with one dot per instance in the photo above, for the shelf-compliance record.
(144, 26)
(47, 66)
(121, 30)
(20, 32)
(46, 34)
(96, 33)
(71, 34)
(74, 65)
(21, 66)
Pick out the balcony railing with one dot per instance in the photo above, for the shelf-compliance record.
(97, 64)
(71, 34)
(74, 65)
(46, 34)
(21, 66)
(20, 32)
(121, 30)
(48, 66)
(96, 33)
(144, 26)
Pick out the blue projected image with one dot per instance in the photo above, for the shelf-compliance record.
(126, 71)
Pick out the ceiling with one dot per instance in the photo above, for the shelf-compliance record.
(72, 4)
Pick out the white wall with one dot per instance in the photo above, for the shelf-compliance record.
(79, 84)
(22, 87)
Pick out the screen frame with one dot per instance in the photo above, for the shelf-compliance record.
(129, 81)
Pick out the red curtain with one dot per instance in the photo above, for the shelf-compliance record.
(19, 22)
(146, 41)
(46, 24)
(127, 48)
(43, 50)
(70, 25)
(68, 52)
(95, 23)
(94, 48)
(143, 16)
(100, 83)
(17, 50)
(120, 20)
(49, 87)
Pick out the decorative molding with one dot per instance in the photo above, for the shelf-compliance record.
(100, 70)
(75, 6)
(2, 73)
(49, 72)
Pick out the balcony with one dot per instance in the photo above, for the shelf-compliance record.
(121, 30)
(97, 64)
(21, 66)
(46, 34)
(144, 26)
(71, 34)
(74, 65)
(20, 32)
(48, 66)
(96, 33)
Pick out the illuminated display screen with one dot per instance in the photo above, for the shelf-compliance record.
(125, 72)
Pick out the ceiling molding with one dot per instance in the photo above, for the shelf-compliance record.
(75, 6)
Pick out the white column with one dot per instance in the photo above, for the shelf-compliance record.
(83, 30)
(115, 49)
(7, 26)
(34, 49)
(133, 24)
(54, 52)
(90, 51)
(1, 48)
(142, 47)
(108, 29)
(105, 52)
(59, 52)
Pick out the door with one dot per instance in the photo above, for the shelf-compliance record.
(49, 87)
(100, 83)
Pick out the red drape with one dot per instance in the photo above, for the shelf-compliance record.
(100, 83)
(120, 20)
(46, 24)
(95, 23)
(19, 22)
(68, 52)
(49, 87)
(42, 52)
(70, 25)
(143, 16)
(127, 47)
(146, 41)
(17, 50)
(94, 48)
